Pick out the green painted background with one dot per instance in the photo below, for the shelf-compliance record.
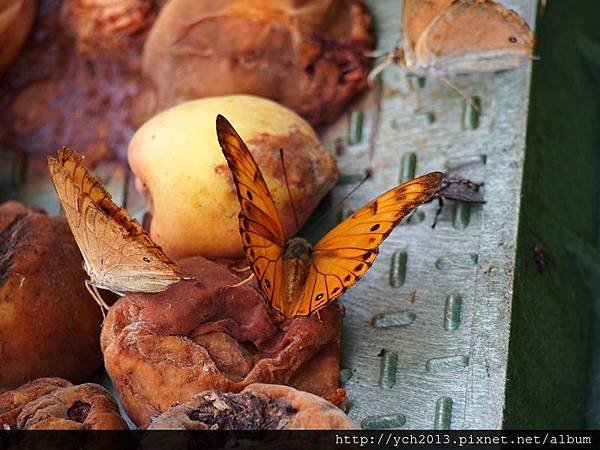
(550, 346)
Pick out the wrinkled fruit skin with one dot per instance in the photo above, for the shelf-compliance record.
(201, 334)
(309, 57)
(49, 324)
(106, 25)
(13, 401)
(75, 79)
(258, 407)
(56, 404)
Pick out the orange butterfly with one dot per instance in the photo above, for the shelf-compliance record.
(118, 255)
(297, 278)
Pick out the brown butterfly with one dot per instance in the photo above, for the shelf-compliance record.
(298, 278)
(447, 37)
(118, 254)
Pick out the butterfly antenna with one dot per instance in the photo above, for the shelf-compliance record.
(338, 205)
(374, 73)
(461, 93)
(372, 54)
(287, 185)
(368, 174)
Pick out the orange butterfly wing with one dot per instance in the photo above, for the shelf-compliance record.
(341, 257)
(70, 164)
(344, 254)
(260, 226)
(118, 253)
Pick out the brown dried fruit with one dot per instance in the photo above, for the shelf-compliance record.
(13, 401)
(84, 407)
(307, 55)
(55, 404)
(46, 312)
(76, 78)
(163, 348)
(106, 25)
(16, 17)
(258, 407)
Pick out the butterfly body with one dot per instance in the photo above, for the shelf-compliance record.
(140, 281)
(296, 263)
(296, 277)
(448, 37)
(118, 254)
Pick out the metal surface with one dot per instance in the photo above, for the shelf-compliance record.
(426, 331)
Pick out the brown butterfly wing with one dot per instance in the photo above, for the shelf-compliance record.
(260, 226)
(119, 255)
(417, 15)
(344, 254)
(475, 35)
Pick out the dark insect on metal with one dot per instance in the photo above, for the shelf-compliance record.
(540, 258)
(458, 189)
(413, 296)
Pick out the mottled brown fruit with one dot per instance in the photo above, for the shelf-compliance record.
(49, 324)
(308, 55)
(180, 167)
(13, 401)
(202, 334)
(106, 25)
(258, 407)
(55, 404)
(16, 17)
(75, 78)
